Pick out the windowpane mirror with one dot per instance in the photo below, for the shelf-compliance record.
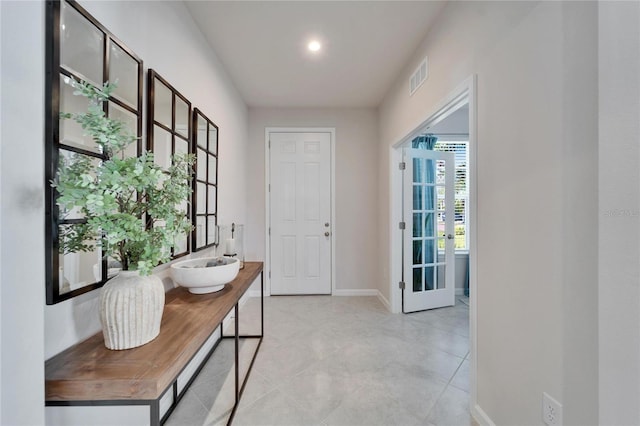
(77, 47)
(123, 70)
(162, 105)
(162, 142)
(205, 208)
(82, 44)
(78, 270)
(168, 134)
(182, 118)
(71, 133)
(182, 146)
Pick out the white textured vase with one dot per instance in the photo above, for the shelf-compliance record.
(131, 308)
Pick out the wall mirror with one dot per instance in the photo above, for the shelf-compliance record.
(205, 184)
(168, 133)
(79, 47)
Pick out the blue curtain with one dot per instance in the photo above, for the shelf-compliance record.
(424, 252)
(424, 142)
(466, 283)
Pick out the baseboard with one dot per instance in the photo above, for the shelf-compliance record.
(384, 301)
(352, 292)
(459, 291)
(481, 417)
(356, 292)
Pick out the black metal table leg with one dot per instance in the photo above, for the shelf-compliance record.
(239, 388)
(237, 343)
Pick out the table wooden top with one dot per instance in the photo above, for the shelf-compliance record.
(88, 371)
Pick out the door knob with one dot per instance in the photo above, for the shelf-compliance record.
(326, 234)
(326, 224)
(449, 237)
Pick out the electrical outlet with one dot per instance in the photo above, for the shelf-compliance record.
(551, 410)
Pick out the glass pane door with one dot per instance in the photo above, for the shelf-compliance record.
(428, 236)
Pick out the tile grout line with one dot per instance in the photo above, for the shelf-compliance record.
(444, 390)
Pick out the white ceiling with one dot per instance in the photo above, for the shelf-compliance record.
(262, 44)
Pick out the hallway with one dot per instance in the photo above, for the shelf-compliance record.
(339, 361)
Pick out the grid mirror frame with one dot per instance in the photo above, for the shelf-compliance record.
(205, 185)
(169, 132)
(79, 47)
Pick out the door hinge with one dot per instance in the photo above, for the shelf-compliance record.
(269, 187)
(403, 165)
(269, 274)
(401, 285)
(269, 143)
(269, 231)
(402, 225)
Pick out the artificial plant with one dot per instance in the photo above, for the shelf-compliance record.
(131, 205)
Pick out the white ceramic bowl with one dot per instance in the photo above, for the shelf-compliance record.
(199, 278)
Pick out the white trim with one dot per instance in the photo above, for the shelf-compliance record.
(384, 301)
(395, 237)
(356, 292)
(465, 92)
(267, 198)
(480, 416)
(473, 240)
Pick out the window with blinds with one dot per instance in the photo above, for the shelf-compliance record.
(461, 153)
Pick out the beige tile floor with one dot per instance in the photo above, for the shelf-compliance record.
(339, 361)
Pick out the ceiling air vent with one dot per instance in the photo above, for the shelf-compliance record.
(418, 77)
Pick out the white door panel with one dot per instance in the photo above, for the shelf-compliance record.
(300, 210)
(428, 238)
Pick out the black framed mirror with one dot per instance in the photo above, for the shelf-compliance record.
(79, 47)
(205, 184)
(169, 133)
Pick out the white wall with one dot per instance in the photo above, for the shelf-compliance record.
(356, 193)
(619, 212)
(165, 36)
(580, 213)
(22, 213)
(535, 102)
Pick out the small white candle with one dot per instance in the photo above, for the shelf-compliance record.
(231, 246)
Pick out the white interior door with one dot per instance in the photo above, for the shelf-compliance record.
(428, 237)
(300, 212)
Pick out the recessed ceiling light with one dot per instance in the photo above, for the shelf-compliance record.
(314, 45)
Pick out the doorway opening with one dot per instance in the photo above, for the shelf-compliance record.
(436, 214)
(447, 122)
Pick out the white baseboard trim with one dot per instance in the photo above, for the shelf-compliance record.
(356, 292)
(481, 417)
(459, 291)
(384, 301)
(352, 292)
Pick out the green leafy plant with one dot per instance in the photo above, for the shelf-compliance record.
(131, 205)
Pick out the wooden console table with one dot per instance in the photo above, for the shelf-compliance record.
(89, 374)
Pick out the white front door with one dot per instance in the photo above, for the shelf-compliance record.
(300, 212)
(428, 237)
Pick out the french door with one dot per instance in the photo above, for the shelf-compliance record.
(428, 235)
(300, 212)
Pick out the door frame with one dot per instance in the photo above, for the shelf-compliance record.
(466, 90)
(267, 198)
